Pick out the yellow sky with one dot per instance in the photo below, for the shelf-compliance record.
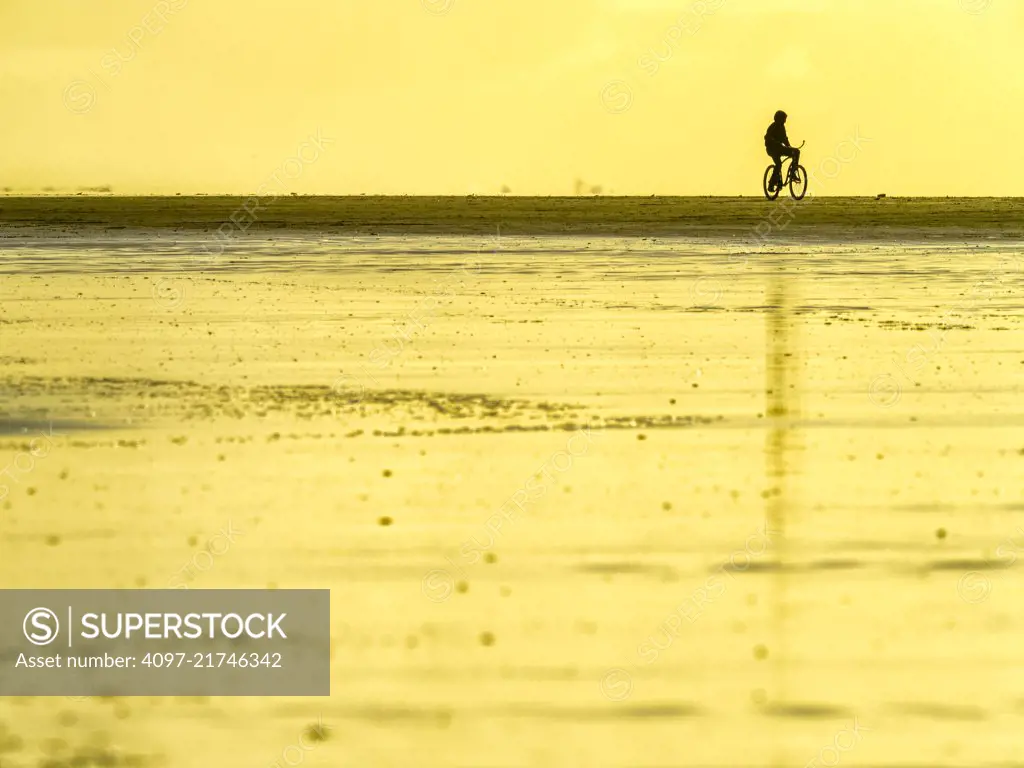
(467, 96)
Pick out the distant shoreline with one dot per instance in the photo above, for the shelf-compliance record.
(828, 218)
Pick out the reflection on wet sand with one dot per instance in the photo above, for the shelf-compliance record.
(782, 409)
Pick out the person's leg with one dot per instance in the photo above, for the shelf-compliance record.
(793, 153)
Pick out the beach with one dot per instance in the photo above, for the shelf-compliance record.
(592, 481)
(822, 218)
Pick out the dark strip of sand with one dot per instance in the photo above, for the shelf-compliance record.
(826, 218)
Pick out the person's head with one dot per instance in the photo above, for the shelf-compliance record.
(780, 116)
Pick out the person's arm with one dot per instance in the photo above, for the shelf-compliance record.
(785, 137)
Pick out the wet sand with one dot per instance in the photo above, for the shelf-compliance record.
(775, 487)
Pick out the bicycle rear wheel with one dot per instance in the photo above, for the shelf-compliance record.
(770, 191)
(798, 186)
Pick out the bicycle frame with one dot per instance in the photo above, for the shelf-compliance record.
(787, 172)
(778, 177)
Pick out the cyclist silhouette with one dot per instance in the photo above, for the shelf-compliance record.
(776, 144)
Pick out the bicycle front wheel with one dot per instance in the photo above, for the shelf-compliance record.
(770, 190)
(798, 186)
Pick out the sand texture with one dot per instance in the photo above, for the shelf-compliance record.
(688, 500)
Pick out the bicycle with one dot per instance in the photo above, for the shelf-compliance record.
(795, 177)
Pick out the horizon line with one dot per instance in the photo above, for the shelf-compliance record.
(881, 195)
